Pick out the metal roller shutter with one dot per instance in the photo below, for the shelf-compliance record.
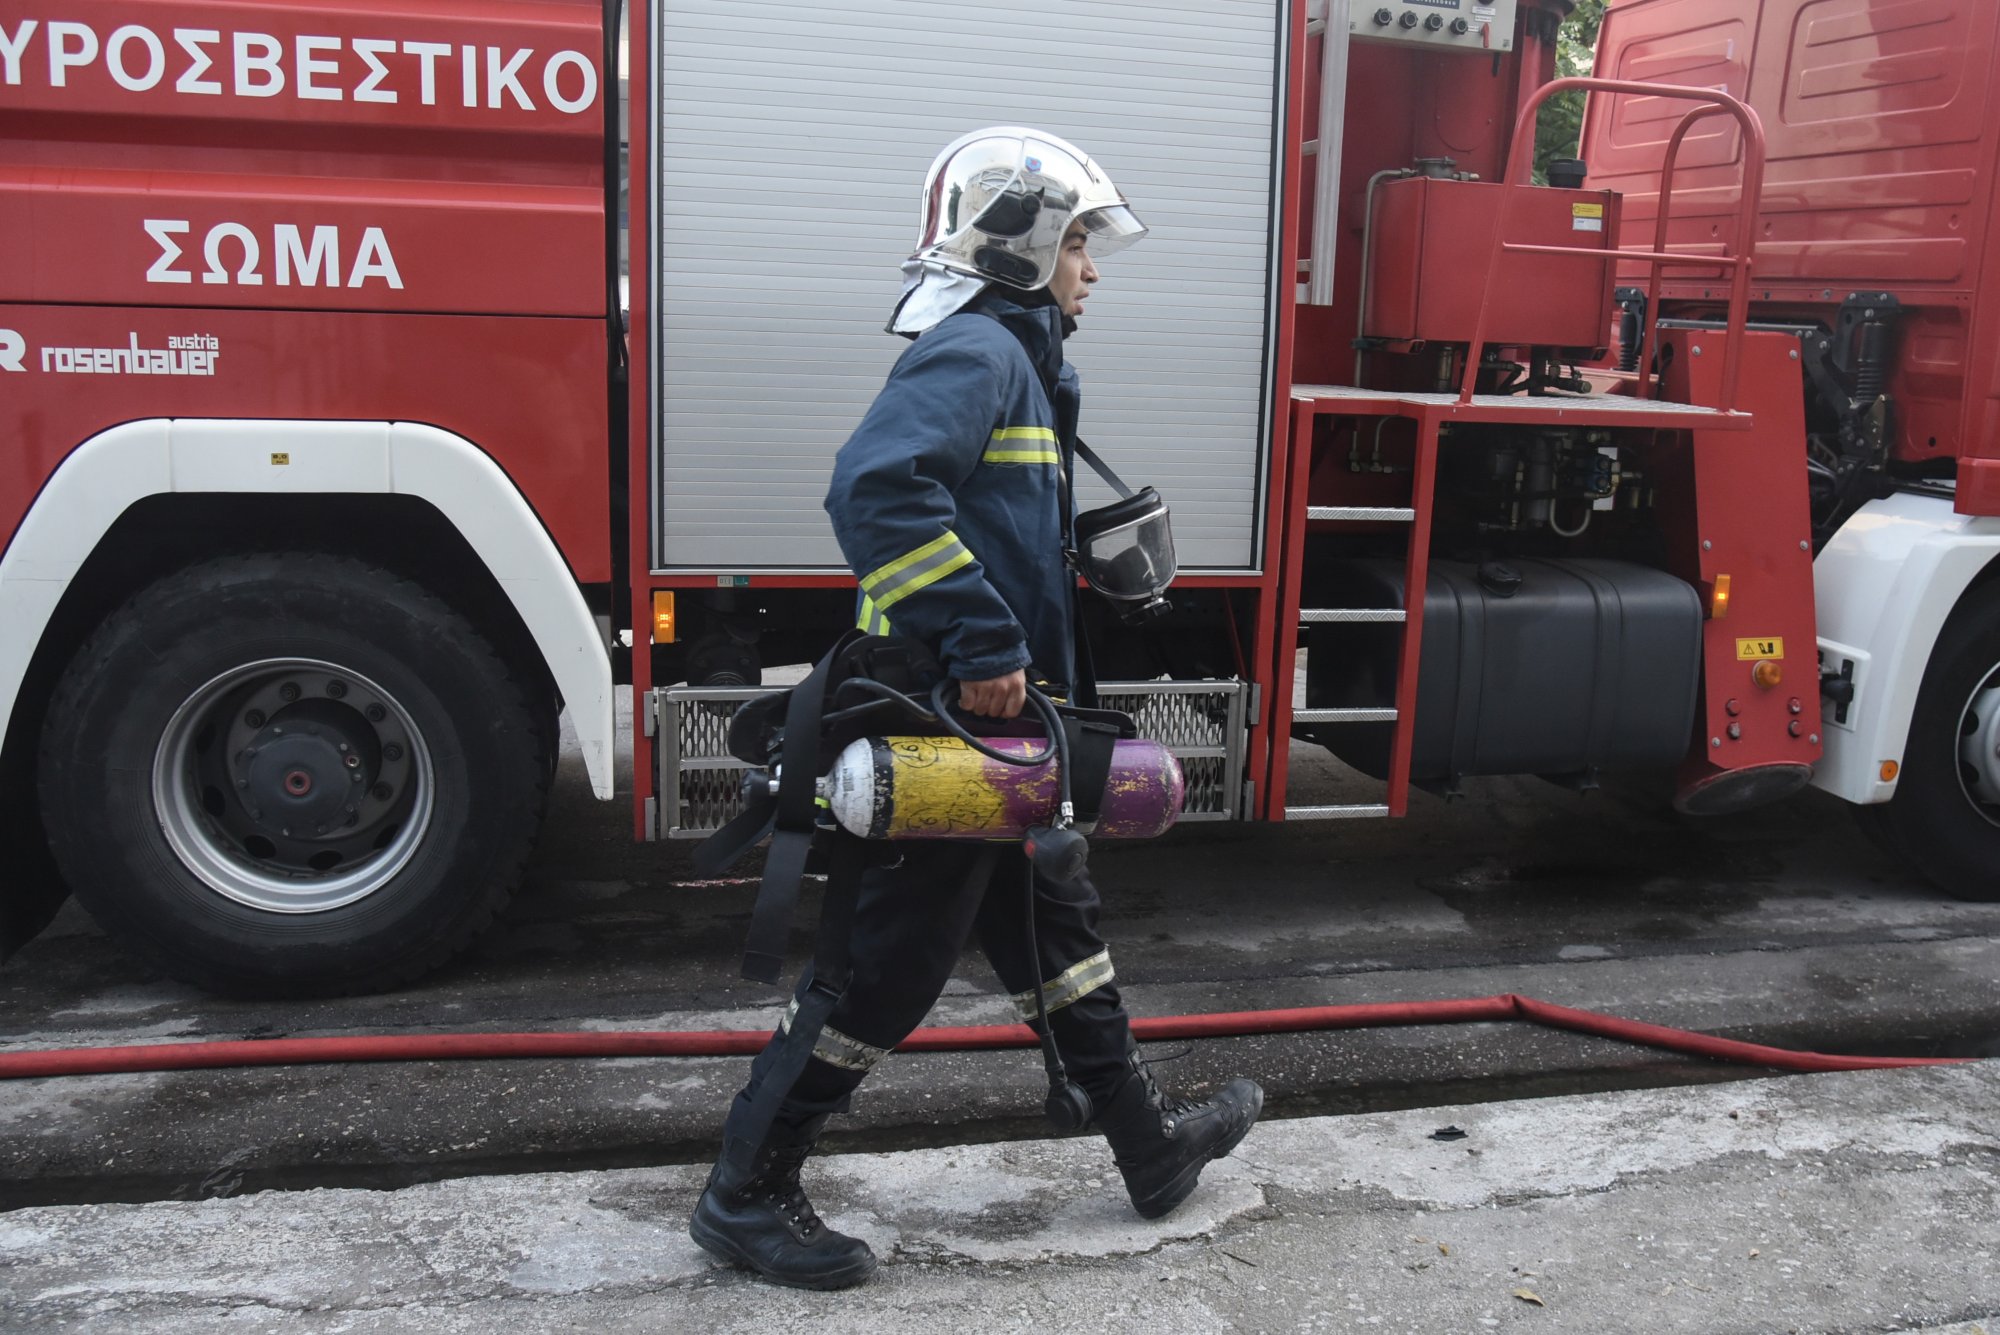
(791, 146)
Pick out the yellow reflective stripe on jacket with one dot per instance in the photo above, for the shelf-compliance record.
(1037, 446)
(928, 564)
(871, 619)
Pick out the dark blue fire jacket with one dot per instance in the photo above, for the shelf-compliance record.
(946, 499)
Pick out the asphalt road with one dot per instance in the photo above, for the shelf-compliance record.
(1783, 926)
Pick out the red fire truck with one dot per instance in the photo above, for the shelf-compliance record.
(336, 466)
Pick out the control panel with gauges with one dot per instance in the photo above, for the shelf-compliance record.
(1454, 25)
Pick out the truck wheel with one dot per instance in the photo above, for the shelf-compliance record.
(291, 775)
(1945, 817)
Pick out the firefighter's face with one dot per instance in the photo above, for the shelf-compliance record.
(1074, 273)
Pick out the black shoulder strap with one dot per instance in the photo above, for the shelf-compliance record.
(815, 1001)
(1084, 689)
(1102, 469)
(832, 967)
(1090, 746)
(743, 832)
(791, 827)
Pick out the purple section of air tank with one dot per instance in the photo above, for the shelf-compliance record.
(1143, 793)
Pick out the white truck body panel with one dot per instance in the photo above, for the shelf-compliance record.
(1885, 586)
(112, 470)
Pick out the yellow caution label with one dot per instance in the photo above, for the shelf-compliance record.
(1747, 650)
(1586, 210)
(280, 459)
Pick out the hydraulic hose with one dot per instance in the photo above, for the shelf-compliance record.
(745, 1042)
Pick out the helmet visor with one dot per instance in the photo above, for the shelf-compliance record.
(998, 202)
(1110, 229)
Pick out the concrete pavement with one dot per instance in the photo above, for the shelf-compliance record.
(1839, 1203)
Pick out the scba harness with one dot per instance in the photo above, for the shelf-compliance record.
(869, 749)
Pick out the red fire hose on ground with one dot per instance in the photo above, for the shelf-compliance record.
(743, 1042)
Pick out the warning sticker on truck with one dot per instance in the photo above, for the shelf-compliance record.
(1748, 650)
(1586, 217)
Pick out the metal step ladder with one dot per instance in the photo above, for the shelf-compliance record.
(1416, 563)
(1328, 19)
(1319, 616)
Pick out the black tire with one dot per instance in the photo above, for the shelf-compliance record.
(238, 698)
(1945, 817)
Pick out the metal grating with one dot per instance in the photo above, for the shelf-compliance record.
(1181, 721)
(1353, 811)
(1204, 723)
(1320, 616)
(704, 724)
(1401, 514)
(709, 797)
(1209, 789)
(1343, 716)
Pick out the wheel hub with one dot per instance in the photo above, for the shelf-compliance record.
(1979, 749)
(307, 770)
(293, 785)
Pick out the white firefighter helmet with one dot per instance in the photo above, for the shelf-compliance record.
(996, 205)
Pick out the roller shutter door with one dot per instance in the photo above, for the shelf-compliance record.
(791, 145)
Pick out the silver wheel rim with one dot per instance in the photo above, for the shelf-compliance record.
(293, 785)
(1979, 747)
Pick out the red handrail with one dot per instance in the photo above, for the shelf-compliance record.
(1714, 104)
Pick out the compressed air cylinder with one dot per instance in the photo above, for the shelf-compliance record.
(940, 788)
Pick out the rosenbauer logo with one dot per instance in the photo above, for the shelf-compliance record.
(207, 62)
(184, 355)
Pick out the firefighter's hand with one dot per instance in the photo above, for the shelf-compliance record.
(1002, 697)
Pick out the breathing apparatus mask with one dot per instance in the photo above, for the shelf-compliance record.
(1124, 550)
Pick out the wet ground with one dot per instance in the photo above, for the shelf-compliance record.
(1783, 926)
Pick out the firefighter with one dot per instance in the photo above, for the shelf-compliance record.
(946, 502)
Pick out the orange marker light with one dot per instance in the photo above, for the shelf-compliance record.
(663, 616)
(1767, 674)
(1718, 598)
(1890, 769)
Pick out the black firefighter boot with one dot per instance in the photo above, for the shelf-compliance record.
(762, 1219)
(1161, 1144)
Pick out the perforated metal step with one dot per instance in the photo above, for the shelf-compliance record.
(1353, 811)
(1401, 514)
(1317, 616)
(1343, 716)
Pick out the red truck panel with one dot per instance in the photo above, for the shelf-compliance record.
(1883, 143)
(529, 391)
(1403, 103)
(1430, 256)
(263, 177)
(356, 206)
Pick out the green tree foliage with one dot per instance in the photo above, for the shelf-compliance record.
(1561, 124)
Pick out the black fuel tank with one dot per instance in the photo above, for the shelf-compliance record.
(1528, 666)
